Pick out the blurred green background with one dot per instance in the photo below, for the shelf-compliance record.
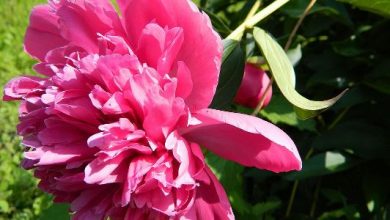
(346, 170)
(19, 196)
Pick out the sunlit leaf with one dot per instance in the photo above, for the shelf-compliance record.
(295, 55)
(282, 69)
(280, 111)
(381, 7)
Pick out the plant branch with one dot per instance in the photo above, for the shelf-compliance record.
(315, 199)
(298, 24)
(253, 10)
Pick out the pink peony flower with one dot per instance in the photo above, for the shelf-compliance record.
(253, 87)
(115, 125)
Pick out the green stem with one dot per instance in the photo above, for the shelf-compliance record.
(337, 120)
(261, 102)
(253, 10)
(315, 199)
(292, 197)
(249, 23)
(295, 187)
(298, 24)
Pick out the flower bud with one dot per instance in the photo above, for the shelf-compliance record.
(253, 86)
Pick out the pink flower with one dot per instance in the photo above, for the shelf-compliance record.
(115, 126)
(253, 87)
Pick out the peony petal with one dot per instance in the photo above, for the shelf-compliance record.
(43, 33)
(245, 139)
(22, 86)
(211, 202)
(116, 105)
(253, 87)
(77, 105)
(202, 55)
(151, 44)
(103, 170)
(182, 153)
(184, 81)
(137, 169)
(173, 42)
(60, 154)
(82, 21)
(59, 132)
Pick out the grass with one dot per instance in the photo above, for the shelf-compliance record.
(19, 197)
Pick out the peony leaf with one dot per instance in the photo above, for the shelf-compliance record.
(282, 70)
(381, 7)
(323, 164)
(232, 70)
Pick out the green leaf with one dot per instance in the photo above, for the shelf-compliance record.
(4, 206)
(282, 70)
(232, 70)
(381, 7)
(349, 211)
(334, 196)
(280, 111)
(57, 212)
(379, 78)
(364, 139)
(322, 164)
(331, 9)
(295, 55)
(265, 207)
(376, 188)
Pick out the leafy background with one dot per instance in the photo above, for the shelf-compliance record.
(346, 149)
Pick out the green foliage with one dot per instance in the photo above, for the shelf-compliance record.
(20, 199)
(322, 164)
(345, 149)
(280, 111)
(381, 7)
(283, 73)
(232, 70)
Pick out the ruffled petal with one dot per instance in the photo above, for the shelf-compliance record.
(211, 202)
(82, 21)
(245, 139)
(202, 55)
(20, 87)
(43, 33)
